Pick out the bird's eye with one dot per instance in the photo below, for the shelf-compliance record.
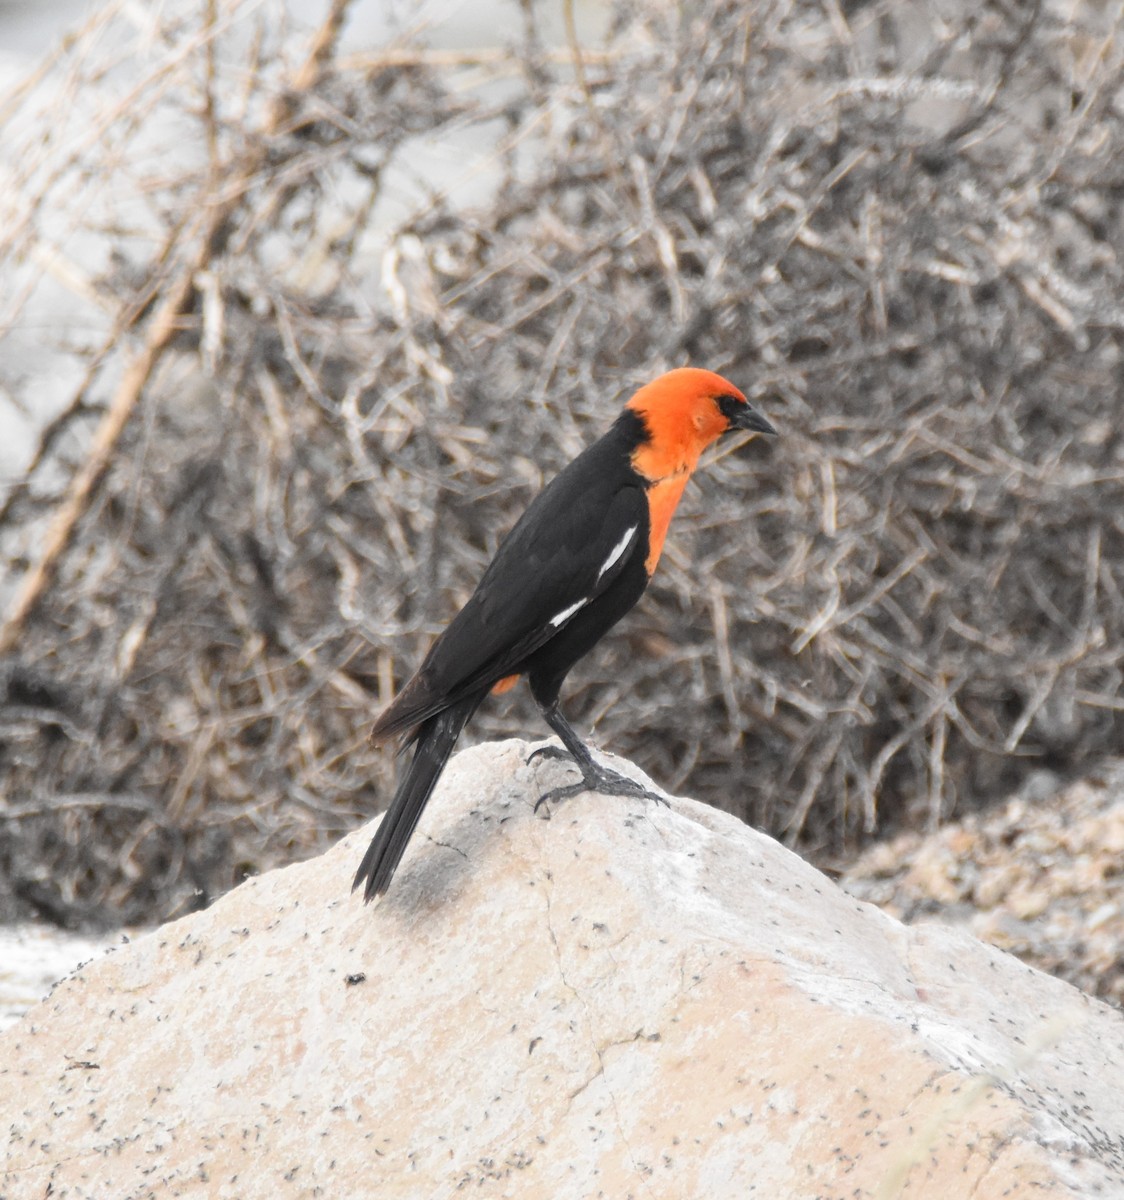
(729, 406)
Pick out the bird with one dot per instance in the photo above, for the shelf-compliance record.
(575, 562)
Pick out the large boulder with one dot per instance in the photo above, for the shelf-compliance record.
(625, 1000)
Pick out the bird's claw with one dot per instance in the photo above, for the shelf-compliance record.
(549, 751)
(603, 781)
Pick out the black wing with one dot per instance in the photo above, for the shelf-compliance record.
(568, 548)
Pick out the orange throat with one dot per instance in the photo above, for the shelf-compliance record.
(663, 498)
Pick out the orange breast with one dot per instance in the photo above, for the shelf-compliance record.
(663, 497)
(504, 685)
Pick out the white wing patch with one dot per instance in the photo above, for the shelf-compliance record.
(617, 551)
(614, 557)
(567, 613)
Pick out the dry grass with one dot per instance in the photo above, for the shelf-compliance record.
(294, 437)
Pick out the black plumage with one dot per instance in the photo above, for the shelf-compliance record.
(576, 561)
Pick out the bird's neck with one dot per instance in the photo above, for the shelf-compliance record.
(664, 464)
(663, 498)
(665, 460)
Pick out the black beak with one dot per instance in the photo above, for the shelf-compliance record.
(748, 418)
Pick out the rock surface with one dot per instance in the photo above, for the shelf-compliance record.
(1041, 877)
(626, 1000)
(33, 959)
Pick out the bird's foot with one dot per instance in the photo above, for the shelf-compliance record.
(549, 751)
(596, 778)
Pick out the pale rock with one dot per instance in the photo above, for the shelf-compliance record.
(623, 1001)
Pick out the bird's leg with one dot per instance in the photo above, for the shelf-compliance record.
(595, 778)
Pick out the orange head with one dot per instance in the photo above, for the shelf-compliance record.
(683, 412)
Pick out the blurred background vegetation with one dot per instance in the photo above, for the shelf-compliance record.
(310, 323)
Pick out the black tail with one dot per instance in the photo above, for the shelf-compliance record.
(435, 739)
